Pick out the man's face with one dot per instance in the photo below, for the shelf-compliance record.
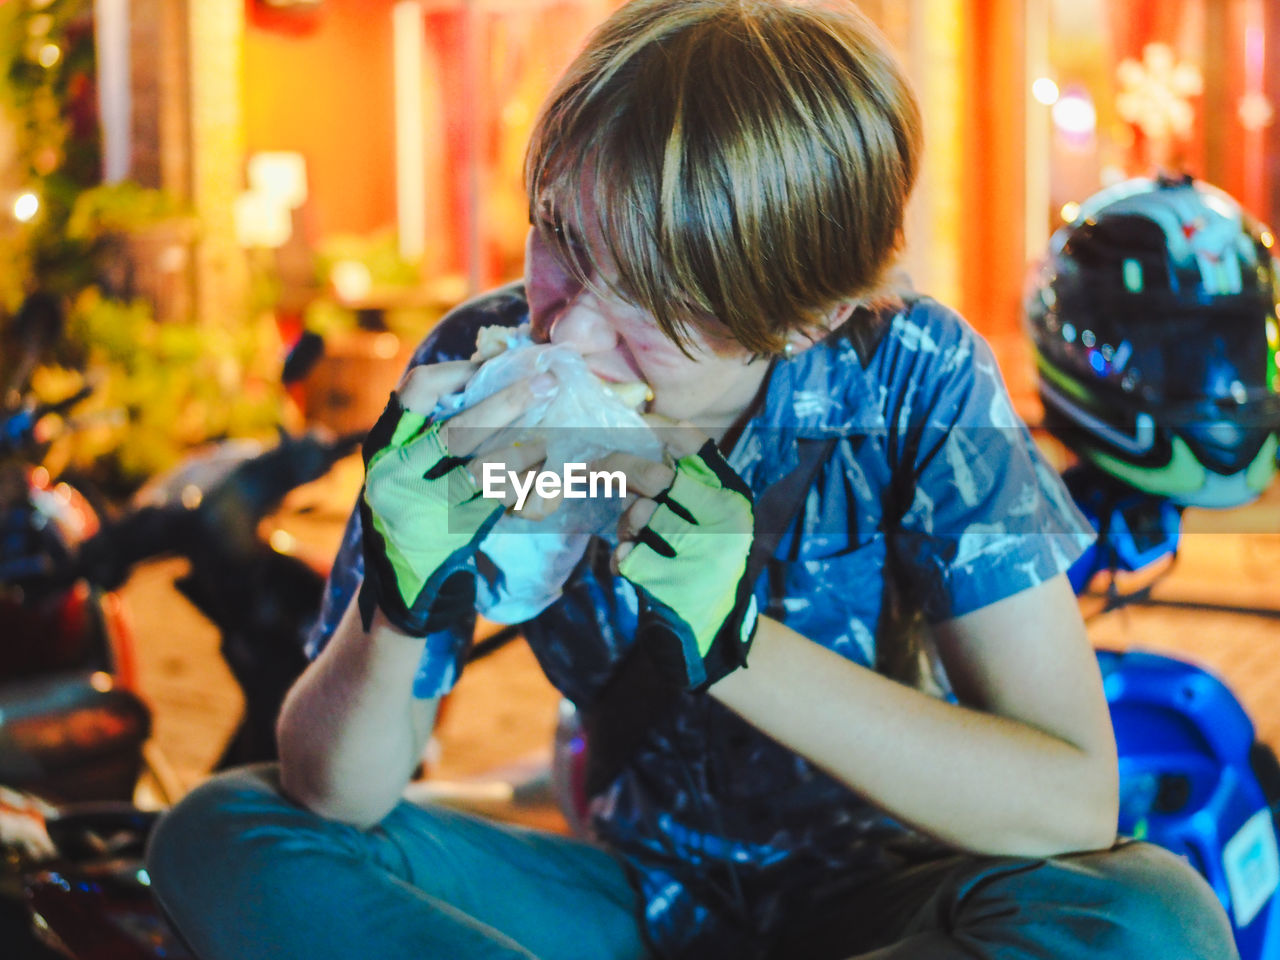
(622, 342)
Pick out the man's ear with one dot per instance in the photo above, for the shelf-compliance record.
(838, 314)
(799, 341)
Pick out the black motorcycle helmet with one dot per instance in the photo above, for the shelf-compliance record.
(1157, 341)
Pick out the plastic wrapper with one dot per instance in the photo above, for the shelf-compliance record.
(582, 420)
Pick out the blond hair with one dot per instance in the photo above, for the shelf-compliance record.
(747, 161)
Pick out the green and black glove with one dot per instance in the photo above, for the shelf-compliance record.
(423, 518)
(698, 613)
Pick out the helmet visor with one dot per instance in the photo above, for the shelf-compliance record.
(1217, 363)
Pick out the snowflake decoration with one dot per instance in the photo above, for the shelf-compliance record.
(1155, 93)
(1255, 111)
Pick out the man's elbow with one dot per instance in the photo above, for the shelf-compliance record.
(1091, 822)
(313, 790)
(311, 779)
(1078, 818)
(1099, 831)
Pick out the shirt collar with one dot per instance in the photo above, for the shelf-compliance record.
(822, 392)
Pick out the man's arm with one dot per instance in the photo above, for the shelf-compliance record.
(351, 731)
(1025, 766)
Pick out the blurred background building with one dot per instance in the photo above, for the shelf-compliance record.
(354, 165)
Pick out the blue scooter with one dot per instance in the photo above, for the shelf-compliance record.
(1193, 776)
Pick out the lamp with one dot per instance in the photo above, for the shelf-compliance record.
(277, 186)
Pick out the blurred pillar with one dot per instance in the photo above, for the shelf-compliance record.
(475, 123)
(142, 73)
(411, 147)
(1218, 110)
(966, 231)
(1038, 126)
(112, 42)
(937, 57)
(992, 249)
(175, 100)
(215, 31)
(1270, 210)
(1254, 186)
(158, 54)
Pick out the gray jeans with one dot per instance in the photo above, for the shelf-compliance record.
(245, 874)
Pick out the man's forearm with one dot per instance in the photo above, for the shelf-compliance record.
(350, 731)
(981, 782)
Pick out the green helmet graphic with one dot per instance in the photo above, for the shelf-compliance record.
(1157, 341)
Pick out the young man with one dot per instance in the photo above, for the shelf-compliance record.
(717, 191)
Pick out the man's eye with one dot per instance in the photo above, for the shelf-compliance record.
(558, 230)
(572, 244)
(567, 237)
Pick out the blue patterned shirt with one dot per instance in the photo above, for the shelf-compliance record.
(933, 486)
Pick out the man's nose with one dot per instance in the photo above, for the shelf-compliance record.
(584, 324)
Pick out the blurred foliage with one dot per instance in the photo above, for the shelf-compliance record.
(329, 318)
(376, 262)
(333, 321)
(378, 252)
(122, 207)
(47, 54)
(158, 388)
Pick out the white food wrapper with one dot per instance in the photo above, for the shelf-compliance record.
(581, 421)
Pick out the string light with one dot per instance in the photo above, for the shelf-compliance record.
(1045, 91)
(26, 206)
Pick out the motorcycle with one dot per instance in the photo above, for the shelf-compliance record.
(73, 722)
(73, 729)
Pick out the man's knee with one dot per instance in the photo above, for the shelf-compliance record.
(193, 841)
(1164, 908)
(1136, 900)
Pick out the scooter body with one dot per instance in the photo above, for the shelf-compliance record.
(1194, 779)
(93, 902)
(77, 736)
(1193, 776)
(71, 723)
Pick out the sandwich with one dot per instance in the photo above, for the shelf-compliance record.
(494, 340)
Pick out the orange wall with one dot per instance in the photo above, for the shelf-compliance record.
(322, 85)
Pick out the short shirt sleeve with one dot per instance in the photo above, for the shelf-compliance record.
(982, 514)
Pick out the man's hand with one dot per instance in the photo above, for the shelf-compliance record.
(421, 509)
(684, 546)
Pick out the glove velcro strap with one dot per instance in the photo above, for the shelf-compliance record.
(394, 427)
(674, 651)
(689, 563)
(448, 594)
(670, 645)
(732, 644)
